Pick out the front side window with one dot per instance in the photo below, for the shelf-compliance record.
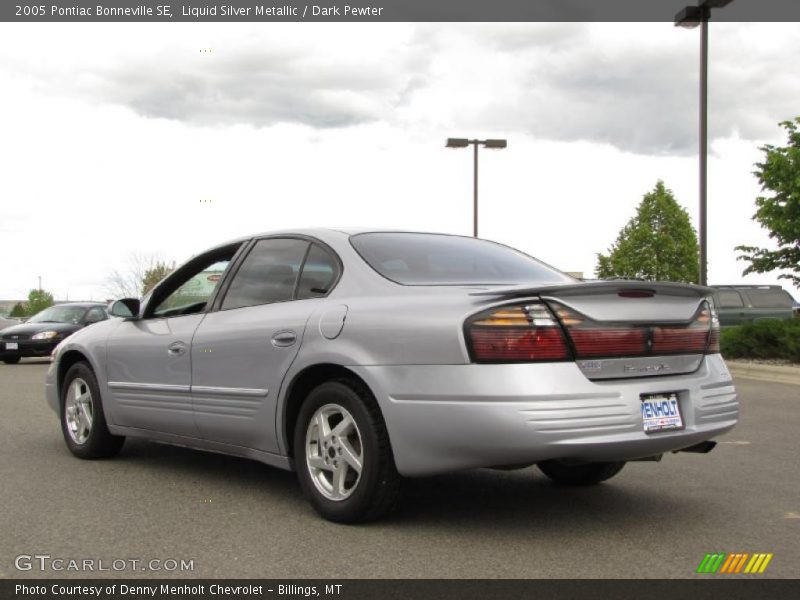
(189, 289)
(268, 274)
(94, 315)
(435, 259)
(192, 295)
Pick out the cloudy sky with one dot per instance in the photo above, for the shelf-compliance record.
(162, 139)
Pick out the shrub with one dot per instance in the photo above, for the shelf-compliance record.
(771, 338)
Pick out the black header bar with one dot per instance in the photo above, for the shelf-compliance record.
(388, 11)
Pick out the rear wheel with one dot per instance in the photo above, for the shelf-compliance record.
(585, 474)
(343, 457)
(11, 360)
(83, 422)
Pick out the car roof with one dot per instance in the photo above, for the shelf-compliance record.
(80, 304)
(321, 233)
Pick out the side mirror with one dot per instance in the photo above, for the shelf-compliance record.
(125, 308)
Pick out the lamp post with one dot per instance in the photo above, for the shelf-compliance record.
(690, 17)
(463, 143)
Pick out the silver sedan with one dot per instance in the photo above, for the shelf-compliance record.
(360, 357)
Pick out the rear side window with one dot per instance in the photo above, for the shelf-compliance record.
(268, 274)
(730, 299)
(769, 298)
(320, 272)
(435, 259)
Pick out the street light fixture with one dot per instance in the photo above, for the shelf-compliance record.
(493, 144)
(689, 18)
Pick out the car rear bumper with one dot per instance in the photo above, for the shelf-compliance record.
(447, 417)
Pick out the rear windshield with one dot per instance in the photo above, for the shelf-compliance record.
(435, 259)
(770, 298)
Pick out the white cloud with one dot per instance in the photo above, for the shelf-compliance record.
(113, 135)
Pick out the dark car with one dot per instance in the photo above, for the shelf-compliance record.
(737, 304)
(42, 332)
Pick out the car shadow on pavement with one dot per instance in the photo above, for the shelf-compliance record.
(190, 464)
(31, 362)
(499, 500)
(507, 501)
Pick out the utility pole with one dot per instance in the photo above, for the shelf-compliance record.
(463, 143)
(690, 17)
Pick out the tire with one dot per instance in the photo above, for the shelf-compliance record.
(83, 422)
(12, 360)
(329, 479)
(585, 474)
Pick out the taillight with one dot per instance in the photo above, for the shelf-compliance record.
(713, 335)
(592, 339)
(609, 342)
(701, 335)
(596, 339)
(522, 333)
(683, 338)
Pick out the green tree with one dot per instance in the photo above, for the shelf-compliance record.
(155, 274)
(19, 310)
(778, 213)
(657, 244)
(38, 300)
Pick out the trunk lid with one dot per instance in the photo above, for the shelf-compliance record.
(618, 301)
(622, 329)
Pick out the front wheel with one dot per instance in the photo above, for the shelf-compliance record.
(83, 422)
(344, 461)
(585, 474)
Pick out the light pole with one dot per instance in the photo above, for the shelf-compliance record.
(463, 143)
(690, 17)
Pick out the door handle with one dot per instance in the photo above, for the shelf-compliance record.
(284, 338)
(176, 349)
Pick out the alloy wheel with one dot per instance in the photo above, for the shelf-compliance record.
(78, 411)
(334, 452)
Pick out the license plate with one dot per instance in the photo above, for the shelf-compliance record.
(661, 412)
(12, 346)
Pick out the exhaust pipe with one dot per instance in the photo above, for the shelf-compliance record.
(701, 448)
(654, 458)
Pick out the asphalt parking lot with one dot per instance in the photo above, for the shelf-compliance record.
(237, 518)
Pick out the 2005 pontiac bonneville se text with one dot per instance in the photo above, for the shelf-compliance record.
(358, 357)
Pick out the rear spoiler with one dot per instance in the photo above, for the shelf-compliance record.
(667, 288)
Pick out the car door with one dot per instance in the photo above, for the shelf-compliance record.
(241, 352)
(149, 358)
